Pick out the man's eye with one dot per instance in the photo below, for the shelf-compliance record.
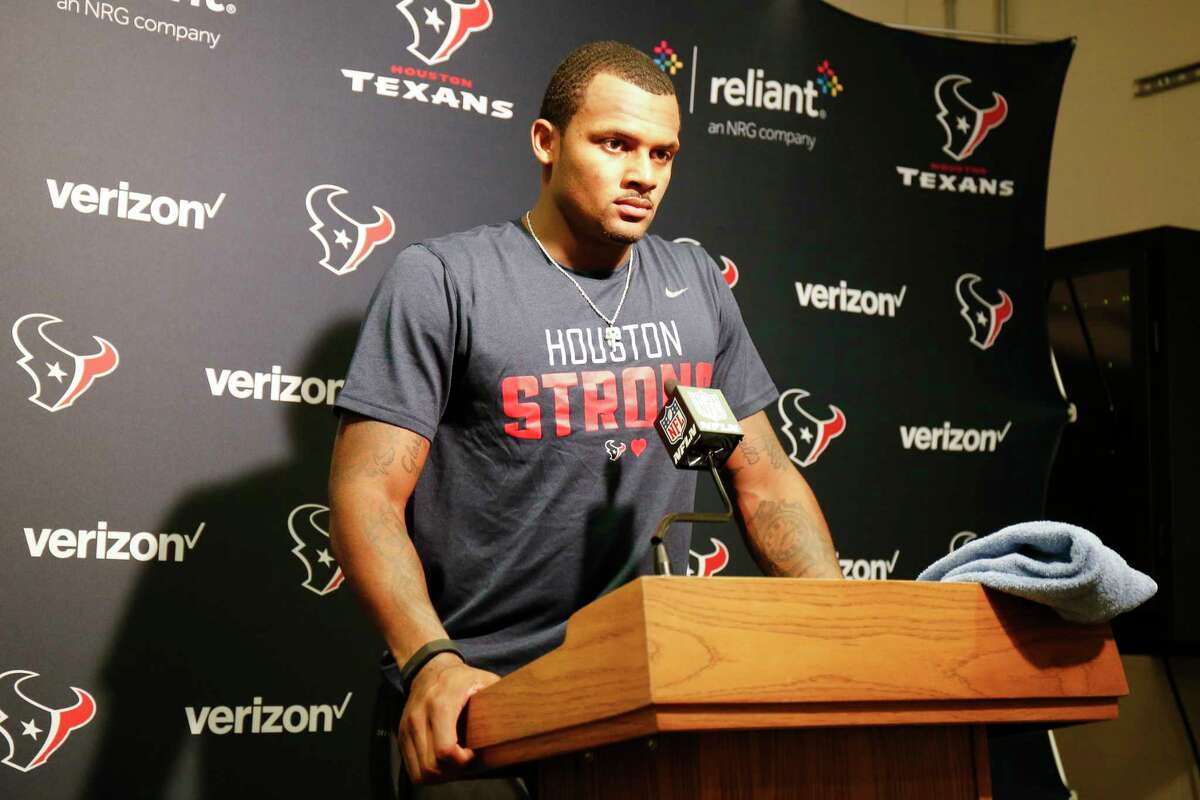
(664, 155)
(613, 144)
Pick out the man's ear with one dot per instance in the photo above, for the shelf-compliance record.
(544, 137)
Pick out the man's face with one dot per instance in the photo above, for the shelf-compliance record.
(613, 162)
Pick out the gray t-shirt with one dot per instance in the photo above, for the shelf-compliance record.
(545, 479)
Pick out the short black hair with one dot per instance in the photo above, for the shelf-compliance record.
(564, 93)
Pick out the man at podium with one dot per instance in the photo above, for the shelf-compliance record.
(494, 470)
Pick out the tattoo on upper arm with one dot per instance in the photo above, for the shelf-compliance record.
(376, 464)
(411, 458)
(754, 448)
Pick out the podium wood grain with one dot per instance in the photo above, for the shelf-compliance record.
(678, 654)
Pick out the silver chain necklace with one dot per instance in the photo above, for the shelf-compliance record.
(612, 333)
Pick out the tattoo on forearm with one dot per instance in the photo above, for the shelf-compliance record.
(784, 539)
(377, 464)
(753, 450)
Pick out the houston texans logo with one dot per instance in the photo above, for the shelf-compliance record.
(815, 434)
(966, 126)
(312, 542)
(45, 360)
(34, 731)
(353, 241)
(729, 271)
(431, 43)
(961, 538)
(710, 563)
(615, 449)
(986, 319)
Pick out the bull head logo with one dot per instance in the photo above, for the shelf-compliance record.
(32, 731)
(44, 360)
(708, 564)
(966, 126)
(312, 545)
(815, 434)
(433, 45)
(353, 241)
(986, 319)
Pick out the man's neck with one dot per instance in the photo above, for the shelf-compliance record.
(569, 249)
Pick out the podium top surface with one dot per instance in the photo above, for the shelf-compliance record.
(676, 653)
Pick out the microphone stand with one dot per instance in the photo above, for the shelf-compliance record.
(662, 564)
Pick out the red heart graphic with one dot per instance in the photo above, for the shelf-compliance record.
(637, 446)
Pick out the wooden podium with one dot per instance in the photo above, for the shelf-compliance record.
(784, 688)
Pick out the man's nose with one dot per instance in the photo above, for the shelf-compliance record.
(641, 174)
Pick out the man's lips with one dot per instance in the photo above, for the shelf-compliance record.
(634, 208)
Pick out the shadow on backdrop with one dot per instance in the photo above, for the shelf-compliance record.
(233, 626)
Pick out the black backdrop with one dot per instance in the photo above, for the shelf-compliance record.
(159, 158)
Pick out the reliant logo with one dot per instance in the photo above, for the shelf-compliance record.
(136, 206)
(812, 434)
(758, 91)
(41, 354)
(42, 729)
(103, 544)
(211, 5)
(849, 300)
(273, 385)
(309, 529)
(953, 440)
(861, 569)
(120, 15)
(259, 718)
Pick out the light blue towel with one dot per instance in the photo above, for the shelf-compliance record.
(1061, 565)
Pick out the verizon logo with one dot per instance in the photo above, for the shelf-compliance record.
(273, 385)
(849, 300)
(105, 545)
(875, 569)
(259, 718)
(953, 440)
(136, 206)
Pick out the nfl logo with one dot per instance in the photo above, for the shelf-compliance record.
(673, 422)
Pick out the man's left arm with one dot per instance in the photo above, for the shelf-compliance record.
(778, 512)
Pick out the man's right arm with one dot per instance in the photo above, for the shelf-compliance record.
(374, 469)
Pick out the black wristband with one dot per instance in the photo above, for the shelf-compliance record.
(422, 657)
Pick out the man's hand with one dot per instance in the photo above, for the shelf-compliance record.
(429, 726)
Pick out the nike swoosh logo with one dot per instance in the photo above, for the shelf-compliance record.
(675, 293)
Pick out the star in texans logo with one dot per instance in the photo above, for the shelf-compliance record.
(444, 26)
(60, 377)
(32, 731)
(322, 573)
(352, 240)
(808, 435)
(984, 318)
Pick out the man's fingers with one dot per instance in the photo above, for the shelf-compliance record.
(443, 731)
(412, 764)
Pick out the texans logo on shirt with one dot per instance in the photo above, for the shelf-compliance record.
(32, 731)
(985, 318)
(708, 564)
(966, 125)
(812, 434)
(352, 241)
(444, 26)
(312, 545)
(60, 377)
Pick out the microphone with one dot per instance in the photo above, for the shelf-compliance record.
(700, 431)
